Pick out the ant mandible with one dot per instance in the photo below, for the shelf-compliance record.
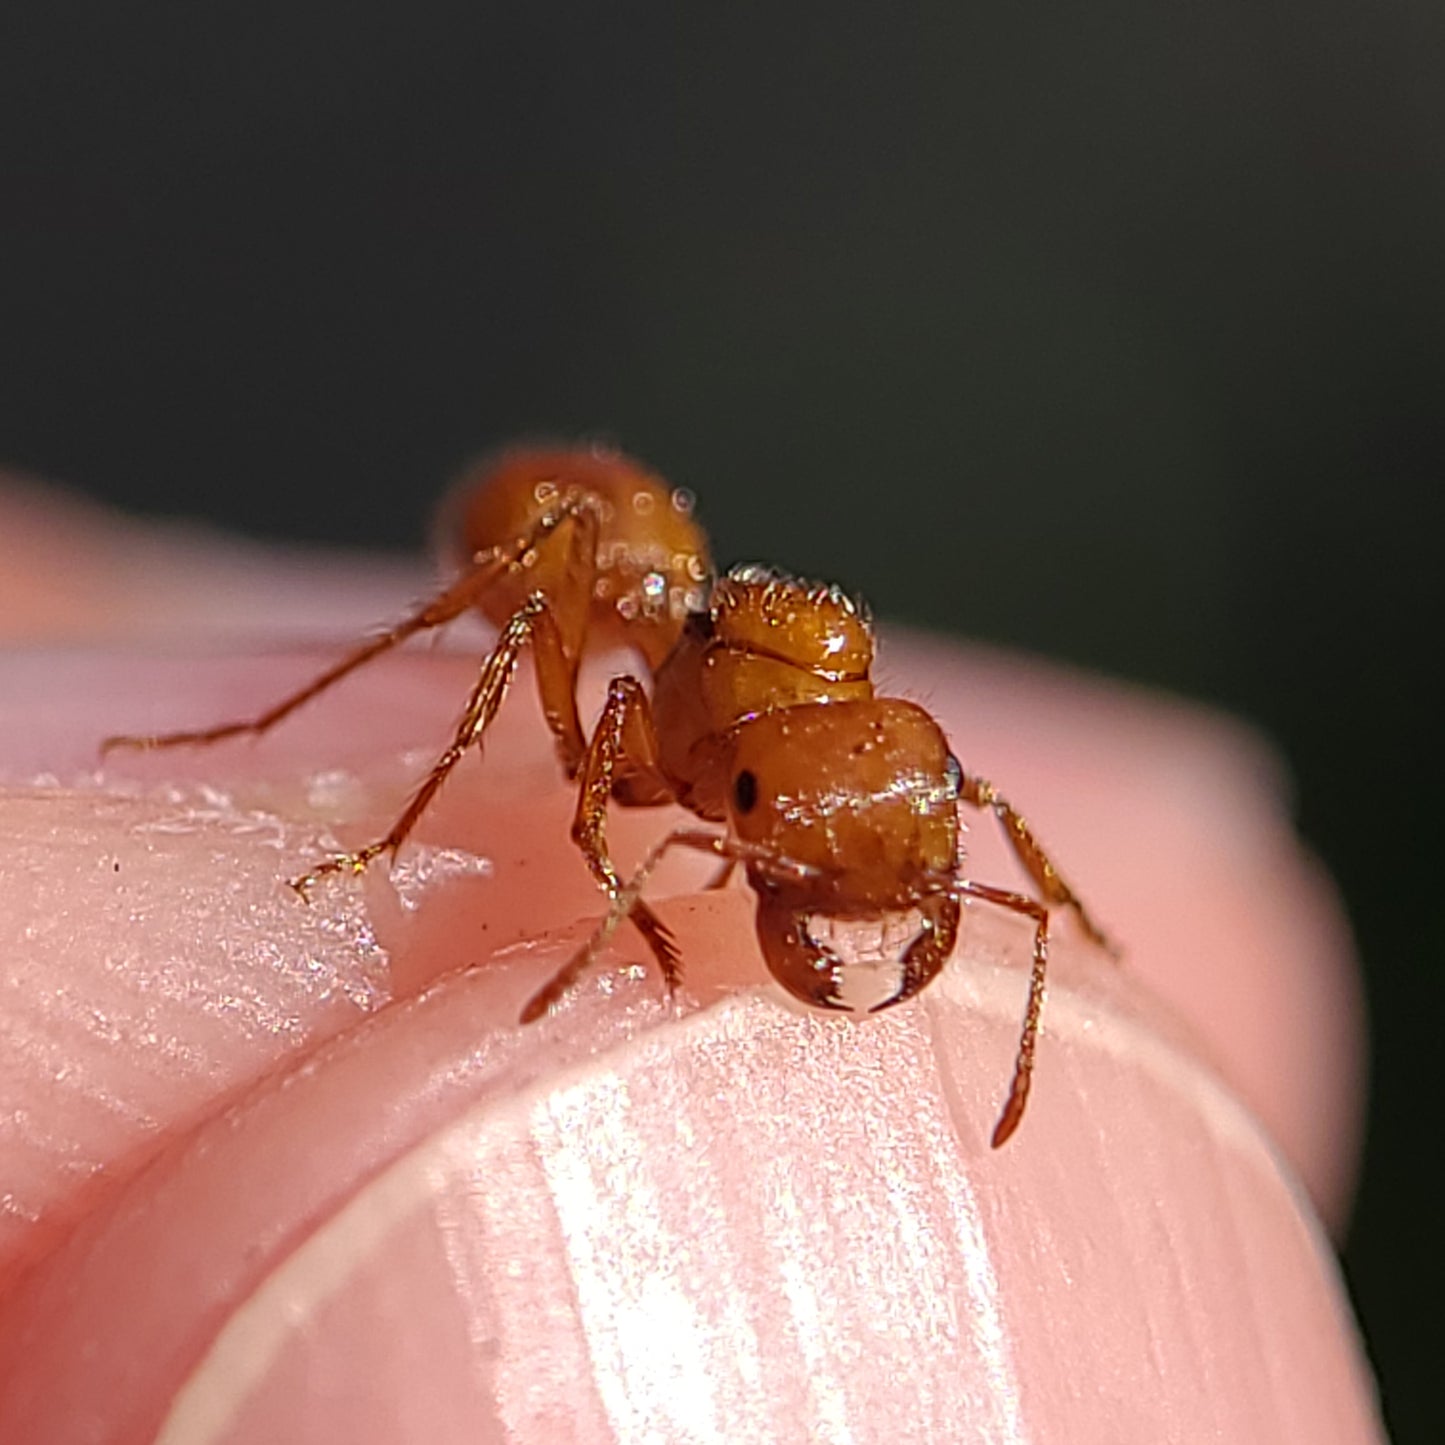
(763, 716)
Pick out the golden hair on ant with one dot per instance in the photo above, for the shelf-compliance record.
(762, 717)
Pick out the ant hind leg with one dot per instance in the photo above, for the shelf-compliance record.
(445, 607)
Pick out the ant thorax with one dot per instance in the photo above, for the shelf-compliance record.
(766, 642)
(817, 628)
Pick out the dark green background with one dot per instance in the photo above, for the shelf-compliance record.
(1115, 332)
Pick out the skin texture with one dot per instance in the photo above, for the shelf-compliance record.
(279, 1173)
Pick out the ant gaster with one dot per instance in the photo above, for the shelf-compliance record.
(763, 717)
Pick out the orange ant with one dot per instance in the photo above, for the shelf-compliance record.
(841, 805)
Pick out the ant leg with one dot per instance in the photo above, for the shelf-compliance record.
(566, 575)
(440, 610)
(623, 748)
(486, 568)
(722, 877)
(1030, 852)
(626, 899)
(1018, 1094)
(534, 622)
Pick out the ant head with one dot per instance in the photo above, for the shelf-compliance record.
(863, 793)
(757, 609)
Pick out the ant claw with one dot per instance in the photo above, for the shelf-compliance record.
(355, 863)
(301, 887)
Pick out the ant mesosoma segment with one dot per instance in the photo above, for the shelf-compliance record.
(841, 805)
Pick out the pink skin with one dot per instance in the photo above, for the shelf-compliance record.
(277, 1173)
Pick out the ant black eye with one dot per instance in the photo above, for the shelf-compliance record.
(745, 791)
(953, 771)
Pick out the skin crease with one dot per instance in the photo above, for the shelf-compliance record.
(286, 1104)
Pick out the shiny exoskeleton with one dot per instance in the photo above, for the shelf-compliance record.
(841, 805)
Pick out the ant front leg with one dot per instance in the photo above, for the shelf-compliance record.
(722, 877)
(1030, 852)
(532, 622)
(623, 751)
(1018, 1094)
(625, 902)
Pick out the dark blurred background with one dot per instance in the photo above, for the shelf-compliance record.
(1117, 333)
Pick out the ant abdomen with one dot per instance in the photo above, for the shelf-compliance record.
(596, 514)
